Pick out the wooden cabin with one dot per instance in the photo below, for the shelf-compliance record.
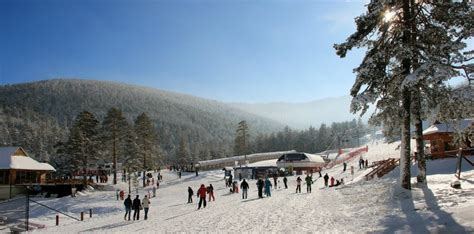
(17, 170)
(440, 137)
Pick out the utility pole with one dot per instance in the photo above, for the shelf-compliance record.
(27, 209)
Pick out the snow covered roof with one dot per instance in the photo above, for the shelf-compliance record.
(448, 127)
(301, 156)
(16, 158)
(242, 157)
(314, 158)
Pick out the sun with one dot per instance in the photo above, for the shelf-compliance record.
(388, 16)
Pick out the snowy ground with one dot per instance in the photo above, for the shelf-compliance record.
(359, 206)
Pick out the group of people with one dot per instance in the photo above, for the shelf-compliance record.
(308, 181)
(136, 205)
(264, 187)
(334, 182)
(201, 194)
(363, 163)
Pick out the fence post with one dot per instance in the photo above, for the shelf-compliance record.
(90, 213)
(57, 220)
(82, 216)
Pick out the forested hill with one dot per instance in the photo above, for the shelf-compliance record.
(40, 113)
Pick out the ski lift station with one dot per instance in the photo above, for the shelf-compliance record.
(301, 162)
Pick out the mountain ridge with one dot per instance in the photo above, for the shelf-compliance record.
(205, 123)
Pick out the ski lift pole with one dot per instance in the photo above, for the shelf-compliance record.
(27, 209)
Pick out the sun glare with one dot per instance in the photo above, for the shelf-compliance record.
(388, 16)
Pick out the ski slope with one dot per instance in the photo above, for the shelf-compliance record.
(359, 206)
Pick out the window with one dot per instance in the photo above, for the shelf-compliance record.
(25, 177)
(4, 177)
(292, 157)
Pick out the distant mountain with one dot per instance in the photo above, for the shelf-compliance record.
(31, 110)
(302, 115)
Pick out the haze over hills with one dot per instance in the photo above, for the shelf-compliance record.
(302, 115)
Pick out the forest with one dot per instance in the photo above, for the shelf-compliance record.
(42, 117)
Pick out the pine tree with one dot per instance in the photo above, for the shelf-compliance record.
(132, 160)
(114, 128)
(83, 142)
(242, 138)
(146, 141)
(413, 47)
(183, 155)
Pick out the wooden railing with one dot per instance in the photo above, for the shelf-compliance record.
(64, 181)
(382, 168)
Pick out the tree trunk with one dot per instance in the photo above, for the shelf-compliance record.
(405, 174)
(420, 147)
(114, 151)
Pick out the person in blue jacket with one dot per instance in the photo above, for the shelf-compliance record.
(268, 186)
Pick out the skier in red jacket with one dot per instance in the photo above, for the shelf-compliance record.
(201, 193)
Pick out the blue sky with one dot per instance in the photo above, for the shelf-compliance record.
(228, 50)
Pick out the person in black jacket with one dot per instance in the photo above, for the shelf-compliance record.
(244, 186)
(136, 208)
(326, 178)
(285, 181)
(190, 195)
(260, 184)
(128, 207)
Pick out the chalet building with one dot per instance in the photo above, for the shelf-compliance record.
(440, 138)
(17, 170)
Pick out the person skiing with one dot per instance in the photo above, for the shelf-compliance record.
(260, 185)
(361, 163)
(146, 205)
(128, 207)
(201, 193)
(244, 186)
(268, 186)
(366, 163)
(210, 190)
(344, 165)
(332, 181)
(298, 184)
(309, 181)
(326, 179)
(136, 205)
(285, 181)
(190, 195)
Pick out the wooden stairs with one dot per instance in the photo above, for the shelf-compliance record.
(382, 168)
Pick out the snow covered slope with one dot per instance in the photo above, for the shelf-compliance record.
(357, 207)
